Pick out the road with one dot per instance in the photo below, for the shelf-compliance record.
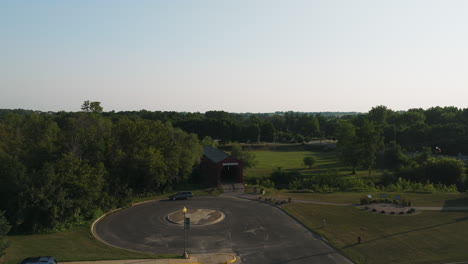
(255, 231)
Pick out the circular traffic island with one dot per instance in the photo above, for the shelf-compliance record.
(198, 217)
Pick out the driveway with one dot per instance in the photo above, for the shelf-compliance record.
(255, 231)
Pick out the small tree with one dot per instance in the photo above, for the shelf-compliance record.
(4, 229)
(309, 161)
(247, 157)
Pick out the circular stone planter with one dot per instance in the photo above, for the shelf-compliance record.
(388, 208)
(198, 217)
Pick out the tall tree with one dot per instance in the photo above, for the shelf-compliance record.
(94, 107)
(369, 141)
(4, 229)
(348, 144)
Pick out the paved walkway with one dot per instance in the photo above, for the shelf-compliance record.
(420, 208)
(193, 259)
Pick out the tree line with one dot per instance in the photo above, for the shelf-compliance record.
(443, 127)
(417, 145)
(59, 169)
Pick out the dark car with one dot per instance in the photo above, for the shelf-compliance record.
(39, 260)
(181, 195)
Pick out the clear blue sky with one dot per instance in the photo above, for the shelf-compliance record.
(237, 56)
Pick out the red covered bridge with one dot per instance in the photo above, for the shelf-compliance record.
(217, 167)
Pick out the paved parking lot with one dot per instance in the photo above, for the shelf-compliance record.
(254, 231)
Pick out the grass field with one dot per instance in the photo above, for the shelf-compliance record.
(428, 237)
(417, 199)
(290, 157)
(75, 244)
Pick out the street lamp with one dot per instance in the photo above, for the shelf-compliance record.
(185, 255)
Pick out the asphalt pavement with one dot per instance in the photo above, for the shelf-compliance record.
(255, 232)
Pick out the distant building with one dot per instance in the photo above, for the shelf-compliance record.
(217, 167)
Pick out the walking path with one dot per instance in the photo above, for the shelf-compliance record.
(420, 208)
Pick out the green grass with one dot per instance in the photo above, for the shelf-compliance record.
(291, 158)
(72, 245)
(417, 199)
(428, 237)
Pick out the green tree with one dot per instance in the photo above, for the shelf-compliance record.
(281, 178)
(4, 229)
(208, 141)
(78, 191)
(309, 161)
(247, 157)
(348, 144)
(94, 107)
(380, 115)
(446, 171)
(394, 157)
(369, 141)
(267, 132)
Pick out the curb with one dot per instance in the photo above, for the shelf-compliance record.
(300, 223)
(103, 241)
(234, 258)
(95, 235)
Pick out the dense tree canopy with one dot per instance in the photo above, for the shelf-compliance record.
(60, 169)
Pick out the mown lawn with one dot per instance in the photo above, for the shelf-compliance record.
(417, 199)
(75, 244)
(427, 237)
(291, 158)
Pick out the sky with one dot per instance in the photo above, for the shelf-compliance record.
(237, 55)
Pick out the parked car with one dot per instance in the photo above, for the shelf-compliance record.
(39, 260)
(181, 195)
